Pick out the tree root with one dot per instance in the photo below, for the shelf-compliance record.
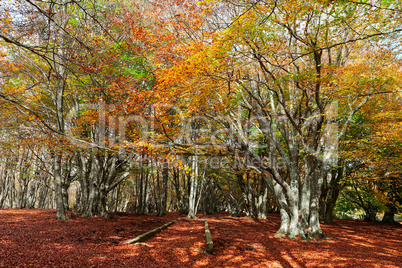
(280, 235)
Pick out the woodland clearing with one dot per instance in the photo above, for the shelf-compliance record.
(32, 238)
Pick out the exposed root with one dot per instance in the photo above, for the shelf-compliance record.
(318, 234)
(292, 237)
(317, 237)
(62, 218)
(280, 235)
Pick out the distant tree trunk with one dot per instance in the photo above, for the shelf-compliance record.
(42, 196)
(60, 209)
(388, 217)
(141, 187)
(330, 193)
(11, 189)
(262, 199)
(371, 212)
(247, 194)
(83, 179)
(180, 188)
(193, 189)
(209, 200)
(32, 194)
(163, 195)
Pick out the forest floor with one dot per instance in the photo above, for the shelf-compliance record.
(32, 238)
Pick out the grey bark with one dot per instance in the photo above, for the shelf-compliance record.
(193, 189)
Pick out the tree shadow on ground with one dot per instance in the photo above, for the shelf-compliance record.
(34, 238)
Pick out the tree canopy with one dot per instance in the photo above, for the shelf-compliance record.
(238, 105)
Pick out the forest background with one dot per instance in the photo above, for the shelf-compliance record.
(240, 106)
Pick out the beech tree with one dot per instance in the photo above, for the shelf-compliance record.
(275, 68)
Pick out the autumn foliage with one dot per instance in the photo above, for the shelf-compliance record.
(251, 107)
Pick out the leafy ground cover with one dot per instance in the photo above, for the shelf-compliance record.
(32, 238)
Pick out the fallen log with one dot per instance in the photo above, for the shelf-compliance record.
(209, 244)
(145, 236)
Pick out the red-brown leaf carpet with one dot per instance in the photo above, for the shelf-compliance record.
(32, 238)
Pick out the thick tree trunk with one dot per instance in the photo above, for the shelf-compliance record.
(304, 206)
(284, 227)
(314, 221)
(329, 206)
(298, 208)
(371, 212)
(65, 196)
(388, 217)
(283, 207)
(292, 198)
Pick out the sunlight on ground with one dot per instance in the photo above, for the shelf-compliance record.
(89, 242)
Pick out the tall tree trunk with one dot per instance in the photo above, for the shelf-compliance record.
(283, 207)
(60, 209)
(314, 222)
(163, 197)
(305, 196)
(193, 189)
(330, 193)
